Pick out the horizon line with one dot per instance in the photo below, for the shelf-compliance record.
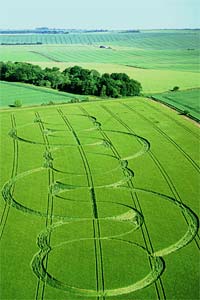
(108, 29)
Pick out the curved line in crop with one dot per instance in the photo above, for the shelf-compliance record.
(132, 216)
(41, 272)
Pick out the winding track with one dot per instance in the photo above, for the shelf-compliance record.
(6, 209)
(40, 289)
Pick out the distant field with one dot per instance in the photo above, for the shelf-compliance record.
(160, 60)
(167, 50)
(174, 39)
(99, 201)
(31, 95)
(188, 100)
(176, 59)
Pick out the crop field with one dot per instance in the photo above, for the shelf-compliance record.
(145, 39)
(162, 50)
(161, 59)
(188, 101)
(152, 81)
(99, 201)
(31, 95)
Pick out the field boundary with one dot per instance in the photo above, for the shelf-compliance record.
(175, 121)
(181, 111)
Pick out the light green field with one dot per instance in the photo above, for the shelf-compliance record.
(153, 81)
(161, 59)
(99, 199)
(188, 101)
(31, 95)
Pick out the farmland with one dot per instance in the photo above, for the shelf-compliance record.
(145, 39)
(99, 199)
(157, 59)
(153, 81)
(187, 101)
(31, 95)
(107, 197)
(141, 58)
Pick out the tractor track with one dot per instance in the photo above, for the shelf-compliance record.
(162, 170)
(137, 205)
(168, 179)
(7, 205)
(175, 121)
(100, 285)
(40, 289)
(166, 136)
(46, 56)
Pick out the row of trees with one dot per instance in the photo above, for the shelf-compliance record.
(74, 80)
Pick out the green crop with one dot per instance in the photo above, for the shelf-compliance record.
(95, 202)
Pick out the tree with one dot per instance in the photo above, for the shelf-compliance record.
(54, 76)
(175, 88)
(103, 91)
(17, 103)
(74, 71)
(74, 79)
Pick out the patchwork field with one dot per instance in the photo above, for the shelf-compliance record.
(160, 60)
(33, 95)
(94, 205)
(100, 200)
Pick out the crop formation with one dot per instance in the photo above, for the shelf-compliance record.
(100, 202)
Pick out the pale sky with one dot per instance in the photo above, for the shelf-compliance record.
(106, 14)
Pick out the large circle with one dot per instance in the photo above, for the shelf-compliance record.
(128, 275)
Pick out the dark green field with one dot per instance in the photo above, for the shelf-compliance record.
(31, 95)
(187, 101)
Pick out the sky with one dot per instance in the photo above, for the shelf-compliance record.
(96, 14)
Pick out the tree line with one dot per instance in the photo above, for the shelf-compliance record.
(73, 79)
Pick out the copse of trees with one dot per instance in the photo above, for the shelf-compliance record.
(74, 80)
